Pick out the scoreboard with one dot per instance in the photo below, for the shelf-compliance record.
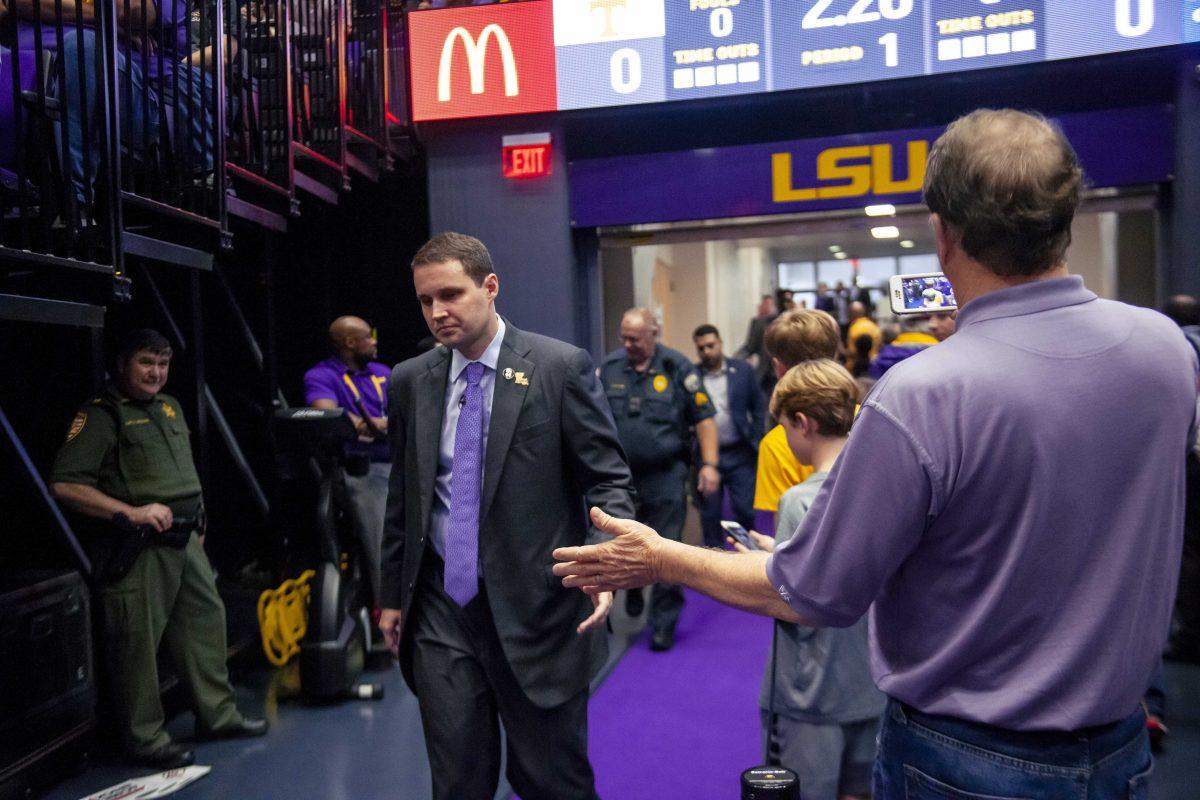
(556, 55)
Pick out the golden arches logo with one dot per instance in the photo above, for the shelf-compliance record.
(476, 50)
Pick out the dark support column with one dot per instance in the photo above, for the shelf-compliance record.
(616, 267)
(1137, 234)
(1181, 271)
(525, 223)
(588, 299)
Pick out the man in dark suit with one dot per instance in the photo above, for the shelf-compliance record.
(741, 418)
(755, 349)
(500, 441)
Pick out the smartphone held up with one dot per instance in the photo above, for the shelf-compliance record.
(739, 534)
(921, 293)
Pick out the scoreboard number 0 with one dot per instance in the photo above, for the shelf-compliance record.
(862, 11)
(720, 22)
(625, 70)
(1124, 18)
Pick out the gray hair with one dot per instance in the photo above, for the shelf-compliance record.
(1007, 182)
(644, 314)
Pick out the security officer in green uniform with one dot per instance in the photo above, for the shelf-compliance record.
(127, 453)
(657, 398)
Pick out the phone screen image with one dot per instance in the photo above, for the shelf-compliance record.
(929, 293)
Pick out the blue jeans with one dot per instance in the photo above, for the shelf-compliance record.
(139, 121)
(925, 757)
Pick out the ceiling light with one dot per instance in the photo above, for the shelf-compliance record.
(833, 248)
(886, 232)
(908, 244)
(885, 210)
(840, 255)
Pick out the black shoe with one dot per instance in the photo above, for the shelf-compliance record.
(635, 602)
(248, 728)
(171, 756)
(663, 640)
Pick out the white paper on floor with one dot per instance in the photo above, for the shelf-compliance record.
(159, 784)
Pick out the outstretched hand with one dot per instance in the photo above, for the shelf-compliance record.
(628, 561)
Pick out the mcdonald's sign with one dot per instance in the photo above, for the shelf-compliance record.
(483, 61)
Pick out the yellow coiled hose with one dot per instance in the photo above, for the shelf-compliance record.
(283, 618)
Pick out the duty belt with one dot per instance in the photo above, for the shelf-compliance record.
(132, 539)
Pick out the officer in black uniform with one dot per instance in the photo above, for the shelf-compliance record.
(127, 458)
(657, 398)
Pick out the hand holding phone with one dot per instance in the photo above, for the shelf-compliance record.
(739, 534)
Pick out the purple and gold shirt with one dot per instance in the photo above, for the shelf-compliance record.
(1009, 505)
(331, 380)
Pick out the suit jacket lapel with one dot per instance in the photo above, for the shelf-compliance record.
(431, 411)
(734, 381)
(731, 387)
(507, 398)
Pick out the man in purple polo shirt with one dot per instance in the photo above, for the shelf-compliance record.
(353, 380)
(1019, 591)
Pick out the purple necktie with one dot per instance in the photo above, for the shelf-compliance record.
(461, 579)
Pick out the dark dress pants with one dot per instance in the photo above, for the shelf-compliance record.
(661, 503)
(737, 466)
(466, 689)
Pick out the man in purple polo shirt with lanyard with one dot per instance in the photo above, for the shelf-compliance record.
(353, 380)
(1019, 584)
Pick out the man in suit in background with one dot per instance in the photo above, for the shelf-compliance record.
(754, 349)
(500, 441)
(741, 418)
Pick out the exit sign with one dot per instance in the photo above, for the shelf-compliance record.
(527, 155)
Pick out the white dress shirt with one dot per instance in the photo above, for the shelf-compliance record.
(717, 385)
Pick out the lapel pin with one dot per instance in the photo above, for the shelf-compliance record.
(521, 379)
(508, 373)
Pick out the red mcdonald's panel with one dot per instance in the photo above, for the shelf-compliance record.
(483, 61)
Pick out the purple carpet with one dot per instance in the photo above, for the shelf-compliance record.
(684, 724)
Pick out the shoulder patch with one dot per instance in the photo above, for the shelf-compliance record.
(77, 425)
(691, 382)
(701, 399)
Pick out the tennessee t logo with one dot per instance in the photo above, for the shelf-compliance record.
(476, 50)
(608, 6)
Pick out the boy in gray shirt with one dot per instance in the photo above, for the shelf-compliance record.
(825, 707)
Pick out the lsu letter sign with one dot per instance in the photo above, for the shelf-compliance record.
(476, 62)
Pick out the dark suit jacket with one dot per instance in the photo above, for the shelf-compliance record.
(552, 451)
(756, 344)
(746, 403)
